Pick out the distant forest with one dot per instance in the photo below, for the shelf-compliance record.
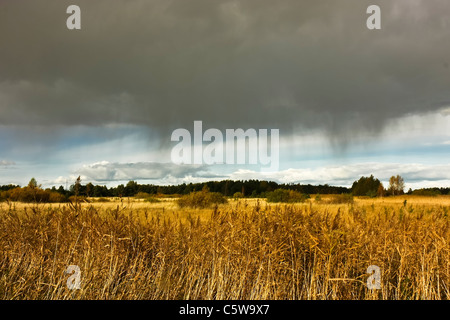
(366, 186)
(248, 188)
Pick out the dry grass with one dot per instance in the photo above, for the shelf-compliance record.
(246, 249)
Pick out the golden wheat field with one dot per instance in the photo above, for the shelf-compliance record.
(245, 249)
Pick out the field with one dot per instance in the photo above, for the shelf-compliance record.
(245, 249)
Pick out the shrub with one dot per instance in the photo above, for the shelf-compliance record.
(21, 194)
(201, 199)
(254, 194)
(425, 192)
(78, 198)
(33, 194)
(152, 199)
(290, 196)
(238, 195)
(142, 195)
(341, 198)
(56, 197)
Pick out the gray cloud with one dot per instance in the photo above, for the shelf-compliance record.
(109, 172)
(6, 163)
(292, 65)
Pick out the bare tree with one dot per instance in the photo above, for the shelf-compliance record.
(396, 185)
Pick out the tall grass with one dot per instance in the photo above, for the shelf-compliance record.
(236, 251)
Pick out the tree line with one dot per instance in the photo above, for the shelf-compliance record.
(248, 188)
(365, 186)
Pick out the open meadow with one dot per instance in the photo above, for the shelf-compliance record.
(245, 249)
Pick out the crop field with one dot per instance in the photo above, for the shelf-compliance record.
(244, 249)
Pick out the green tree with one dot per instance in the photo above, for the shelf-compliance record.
(366, 186)
(120, 190)
(32, 184)
(131, 188)
(89, 189)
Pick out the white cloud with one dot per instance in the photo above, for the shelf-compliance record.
(413, 173)
(445, 111)
(416, 175)
(60, 180)
(105, 171)
(6, 163)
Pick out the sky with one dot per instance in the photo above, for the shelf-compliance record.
(102, 102)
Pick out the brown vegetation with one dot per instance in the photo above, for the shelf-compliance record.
(241, 250)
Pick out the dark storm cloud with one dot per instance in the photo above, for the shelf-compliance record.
(285, 64)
